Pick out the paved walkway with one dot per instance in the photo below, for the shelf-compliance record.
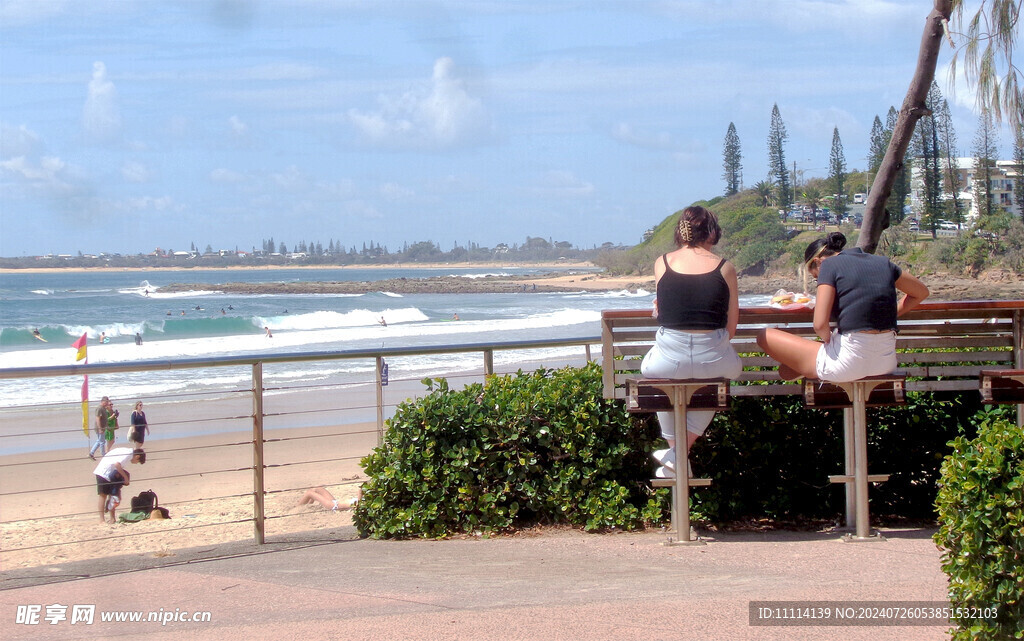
(559, 585)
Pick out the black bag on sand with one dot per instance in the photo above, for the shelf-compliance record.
(145, 502)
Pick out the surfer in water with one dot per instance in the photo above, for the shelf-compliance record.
(37, 335)
(382, 322)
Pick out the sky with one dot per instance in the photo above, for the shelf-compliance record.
(127, 125)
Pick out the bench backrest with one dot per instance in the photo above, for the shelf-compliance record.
(969, 336)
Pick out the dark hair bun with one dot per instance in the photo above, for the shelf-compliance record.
(835, 241)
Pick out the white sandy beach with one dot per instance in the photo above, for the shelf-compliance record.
(49, 507)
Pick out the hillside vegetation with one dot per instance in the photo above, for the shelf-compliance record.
(757, 242)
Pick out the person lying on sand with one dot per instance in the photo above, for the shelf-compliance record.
(326, 499)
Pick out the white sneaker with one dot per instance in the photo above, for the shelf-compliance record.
(666, 457)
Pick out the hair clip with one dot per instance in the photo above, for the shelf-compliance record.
(684, 231)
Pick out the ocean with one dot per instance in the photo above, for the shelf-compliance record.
(205, 322)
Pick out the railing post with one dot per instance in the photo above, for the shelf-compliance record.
(587, 346)
(257, 453)
(488, 363)
(379, 384)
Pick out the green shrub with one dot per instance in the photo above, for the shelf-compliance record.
(541, 447)
(981, 511)
(771, 457)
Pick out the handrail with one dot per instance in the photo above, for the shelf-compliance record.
(252, 359)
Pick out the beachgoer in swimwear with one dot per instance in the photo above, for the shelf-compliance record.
(326, 499)
(269, 334)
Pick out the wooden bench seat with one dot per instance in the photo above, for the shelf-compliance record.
(1002, 385)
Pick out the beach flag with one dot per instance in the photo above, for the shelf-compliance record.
(80, 346)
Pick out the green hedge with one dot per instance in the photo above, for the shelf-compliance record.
(540, 447)
(981, 510)
(546, 447)
(771, 457)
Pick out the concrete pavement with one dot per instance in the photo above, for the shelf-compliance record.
(559, 584)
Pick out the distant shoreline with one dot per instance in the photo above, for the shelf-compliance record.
(257, 268)
(991, 285)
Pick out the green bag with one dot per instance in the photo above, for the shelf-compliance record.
(132, 517)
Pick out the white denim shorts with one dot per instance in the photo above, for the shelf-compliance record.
(678, 354)
(848, 357)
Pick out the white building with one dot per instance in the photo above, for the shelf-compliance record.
(1003, 178)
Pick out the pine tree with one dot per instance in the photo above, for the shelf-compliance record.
(837, 173)
(950, 168)
(876, 146)
(926, 149)
(985, 154)
(777, 171)
(732, 162)
(901, 186)
(1018, 161)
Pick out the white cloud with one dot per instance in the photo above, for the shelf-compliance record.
(135, 172)
(395, 192)
(563, 184)
(290, 179)
(100, 117)
(238, 128)
(221, 175)
(439, 114)
(625, 132)
(18, 141)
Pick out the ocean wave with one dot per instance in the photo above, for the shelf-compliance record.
(474, 276)
(189, 294)
(334, 320)
(42, 292)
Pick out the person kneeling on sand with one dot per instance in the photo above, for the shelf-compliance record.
(323, 497)
(111, 476)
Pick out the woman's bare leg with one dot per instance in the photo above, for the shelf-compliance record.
(797, 356)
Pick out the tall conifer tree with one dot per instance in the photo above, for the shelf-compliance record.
(951, 168)
(732, 162)
(1018, 161)
(985, 153)
(777, 171)
(837, 173)
(901, 187)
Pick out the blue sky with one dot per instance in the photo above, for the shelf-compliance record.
(129, 125)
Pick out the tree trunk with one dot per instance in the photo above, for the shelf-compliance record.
(876, 218)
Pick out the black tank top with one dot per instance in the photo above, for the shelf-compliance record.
(693, 301)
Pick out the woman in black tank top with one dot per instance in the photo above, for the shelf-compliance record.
(697, 306)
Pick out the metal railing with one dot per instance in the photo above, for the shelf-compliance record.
(237, 416)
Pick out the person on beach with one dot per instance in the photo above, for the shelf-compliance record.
(139, 429)
(112, 425)
(382, 322)
(858, 291)
(326, 499)
(697, 307)
(100, 427)
(138, 338)
(111, 477)
(269, 333)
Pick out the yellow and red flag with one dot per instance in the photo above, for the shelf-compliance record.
(80, 345)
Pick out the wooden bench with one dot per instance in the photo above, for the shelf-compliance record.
(941, 347)
(1002, 385)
